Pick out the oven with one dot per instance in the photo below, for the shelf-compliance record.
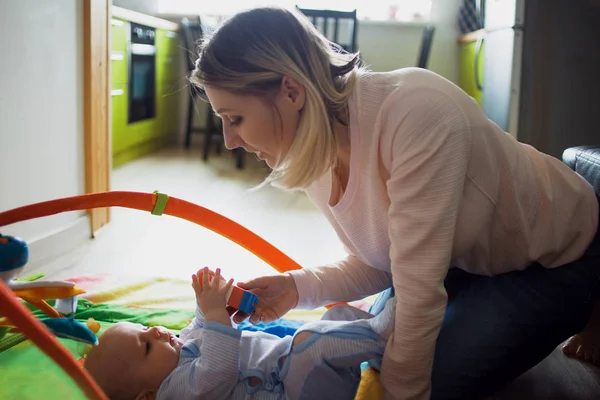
(142, 73)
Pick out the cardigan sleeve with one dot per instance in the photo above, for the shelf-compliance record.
(347, 280)
(430, 150)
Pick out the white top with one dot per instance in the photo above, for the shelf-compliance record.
(434, 183)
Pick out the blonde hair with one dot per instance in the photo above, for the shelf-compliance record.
(252, 52)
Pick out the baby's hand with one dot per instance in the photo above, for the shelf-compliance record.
(211, 293)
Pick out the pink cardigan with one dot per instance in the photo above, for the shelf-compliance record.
(434, 183)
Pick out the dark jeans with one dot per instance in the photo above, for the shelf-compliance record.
(497, 328)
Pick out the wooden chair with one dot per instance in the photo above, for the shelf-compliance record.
(192, 34)
(321, 19)
(423, 60)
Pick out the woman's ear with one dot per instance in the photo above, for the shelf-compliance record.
(147, 395)
(293, 92)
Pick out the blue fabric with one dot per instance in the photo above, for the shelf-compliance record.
(380, 301)
(375, 309)
(281, 327)
(327, 364)
(285, 327)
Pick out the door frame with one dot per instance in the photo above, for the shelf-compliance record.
(97, 110)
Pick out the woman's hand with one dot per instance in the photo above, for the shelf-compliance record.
(210, 295)
(277, 295)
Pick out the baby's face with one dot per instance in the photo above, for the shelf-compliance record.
(145, 355)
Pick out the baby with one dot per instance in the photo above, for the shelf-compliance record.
(213, 360)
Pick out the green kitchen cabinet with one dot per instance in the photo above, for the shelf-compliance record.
(168, 103)
(133, 140)
(171, 106)
(120, 135)
(118, 34)
(170, 81)
(167, 55)
(471, 68)
(118, 66)
(118, 95)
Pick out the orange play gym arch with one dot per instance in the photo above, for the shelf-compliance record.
(156, 203)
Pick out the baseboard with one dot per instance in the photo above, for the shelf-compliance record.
(58, 243)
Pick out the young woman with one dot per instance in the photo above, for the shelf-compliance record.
(490, 246)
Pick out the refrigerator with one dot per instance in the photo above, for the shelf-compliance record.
(541, 71)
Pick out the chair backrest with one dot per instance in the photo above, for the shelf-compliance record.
(192, 34)
(322, 18)
(426, 46)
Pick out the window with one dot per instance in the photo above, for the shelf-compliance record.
(375, 10)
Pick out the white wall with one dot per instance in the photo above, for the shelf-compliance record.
(41, 109)
(388, 46)
(149, 7)
(384, 46)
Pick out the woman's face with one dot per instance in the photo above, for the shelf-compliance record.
(266, 128)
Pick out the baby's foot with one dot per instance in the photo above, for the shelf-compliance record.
(585, 346)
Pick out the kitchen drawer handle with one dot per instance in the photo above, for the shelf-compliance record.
(116, 22)
(117, 57)
(143, 49)
(117, 92)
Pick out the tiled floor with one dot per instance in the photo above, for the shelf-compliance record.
(139, 243)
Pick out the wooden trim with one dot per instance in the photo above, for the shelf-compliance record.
(471, 37)
(96, 85)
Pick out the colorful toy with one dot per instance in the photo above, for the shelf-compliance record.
(72, 329)
(238, 298)
(14, 254)
(156, 203)
(68, 328)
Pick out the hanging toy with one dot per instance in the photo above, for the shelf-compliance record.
(14, 254)
(68, 327)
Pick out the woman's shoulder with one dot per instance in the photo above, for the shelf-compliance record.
(402, 91)
(410, 92)
(408, 103)
(377, 87)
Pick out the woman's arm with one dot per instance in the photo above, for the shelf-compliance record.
(430, 145)
(347, 280)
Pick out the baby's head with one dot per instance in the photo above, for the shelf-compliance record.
(131, 361)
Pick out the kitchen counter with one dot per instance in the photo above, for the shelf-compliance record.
(143, 123)
(143, 19)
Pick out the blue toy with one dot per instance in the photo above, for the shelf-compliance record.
(14, 254)
(70, 328)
